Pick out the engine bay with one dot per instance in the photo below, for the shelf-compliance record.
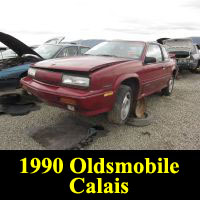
(16, 61)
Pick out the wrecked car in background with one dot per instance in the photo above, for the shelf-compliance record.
(8, 70)
(111, 77)
(186, 53)
(13, 68)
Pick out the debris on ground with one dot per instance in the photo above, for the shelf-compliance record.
(146, 133)
(70, 133)
(16, 104)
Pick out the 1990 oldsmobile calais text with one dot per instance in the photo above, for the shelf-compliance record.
(109, 78)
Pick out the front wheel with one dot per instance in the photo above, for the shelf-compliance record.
(169, 89)
(122, 107)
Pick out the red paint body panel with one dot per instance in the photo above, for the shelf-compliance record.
(105, 73)
(88, 102)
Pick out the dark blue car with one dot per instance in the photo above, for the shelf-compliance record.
(15, 62)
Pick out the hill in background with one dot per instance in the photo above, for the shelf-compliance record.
(90, 43)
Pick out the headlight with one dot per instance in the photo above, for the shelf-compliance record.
(76, 81)
(32, 72)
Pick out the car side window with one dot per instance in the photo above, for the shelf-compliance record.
(83, 49)
(165, 54)
(72, 51)
(155, 52)
(63, 53)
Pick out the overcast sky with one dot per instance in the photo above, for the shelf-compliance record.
(34, 21)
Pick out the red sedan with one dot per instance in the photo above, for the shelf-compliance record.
(109, 78)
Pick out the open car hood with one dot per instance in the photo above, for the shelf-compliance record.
(161, 40)
(17, 46)
(178, 45)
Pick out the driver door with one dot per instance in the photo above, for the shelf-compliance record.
(152, 72)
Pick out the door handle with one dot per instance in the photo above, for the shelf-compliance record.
(164, 68)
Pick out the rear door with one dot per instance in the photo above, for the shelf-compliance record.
(152, 74)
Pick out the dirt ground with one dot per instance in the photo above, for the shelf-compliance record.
(175, 123)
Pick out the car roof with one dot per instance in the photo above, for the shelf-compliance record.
(125, 41)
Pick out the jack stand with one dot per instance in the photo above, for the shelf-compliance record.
(140, 108)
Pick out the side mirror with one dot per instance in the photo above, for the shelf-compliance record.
(172, 55)
(149, 60)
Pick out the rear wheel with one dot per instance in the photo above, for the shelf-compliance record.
(123, 105)
(169, 89)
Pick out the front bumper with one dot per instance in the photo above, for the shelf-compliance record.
(86, 102)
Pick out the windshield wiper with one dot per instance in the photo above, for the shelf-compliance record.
(100, 55)
(87, 54)
(107, 55)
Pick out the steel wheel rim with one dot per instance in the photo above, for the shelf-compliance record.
(126, 106)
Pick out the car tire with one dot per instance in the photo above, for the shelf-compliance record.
(140, 122)
(123, 105)
(169, 89)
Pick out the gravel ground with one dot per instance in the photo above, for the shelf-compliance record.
(175, 124)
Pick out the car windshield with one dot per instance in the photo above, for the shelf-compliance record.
(125, 49)
(8, 54)
(48, 51)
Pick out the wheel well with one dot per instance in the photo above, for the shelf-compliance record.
(134, 84)
(23, 75)
(174, 73)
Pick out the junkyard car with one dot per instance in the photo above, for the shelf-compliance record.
(109, 78)
(15, 62)
(186, 53)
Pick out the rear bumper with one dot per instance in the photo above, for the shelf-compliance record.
(88, 103)
(187, 65)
